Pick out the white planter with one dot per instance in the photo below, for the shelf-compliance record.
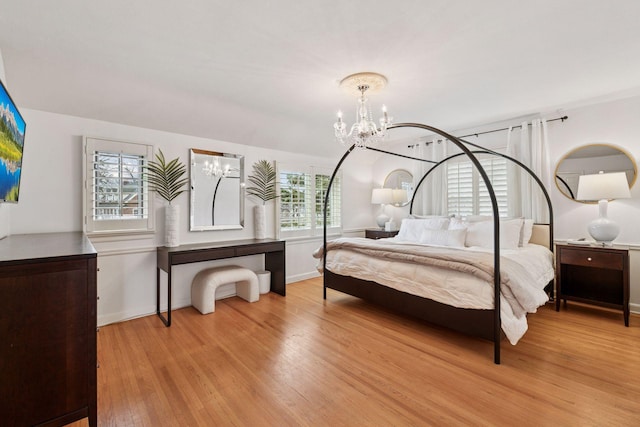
(171, 220)
(260, 221)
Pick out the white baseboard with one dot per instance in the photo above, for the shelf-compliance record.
(302, 276)
(225, 291)
(634, 308)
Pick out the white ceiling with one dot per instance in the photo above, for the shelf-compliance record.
(265, 73)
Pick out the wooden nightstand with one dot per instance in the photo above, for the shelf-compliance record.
(593, 275)
(377, 233)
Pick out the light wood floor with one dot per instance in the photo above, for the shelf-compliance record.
(302, 361)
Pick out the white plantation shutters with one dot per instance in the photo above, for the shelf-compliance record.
(295, 203)
(460, 193)
(116, 196)
(496, 169)
(334, 210)
(467, 193)
(300, 205)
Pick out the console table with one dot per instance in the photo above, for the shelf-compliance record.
(274, 261)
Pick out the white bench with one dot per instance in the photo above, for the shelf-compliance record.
(204, 285)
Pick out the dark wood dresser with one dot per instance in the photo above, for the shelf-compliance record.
(47, 329)
(593, 275)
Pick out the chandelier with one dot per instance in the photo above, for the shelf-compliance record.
(213, 169)
(364, 131)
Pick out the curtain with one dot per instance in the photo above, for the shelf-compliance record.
(532, 150)
(432, 199)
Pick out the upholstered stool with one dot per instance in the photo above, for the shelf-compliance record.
(204, 285)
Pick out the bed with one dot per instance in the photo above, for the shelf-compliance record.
(484, 289)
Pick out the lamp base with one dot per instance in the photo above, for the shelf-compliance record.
(382, 219)
(604, 231)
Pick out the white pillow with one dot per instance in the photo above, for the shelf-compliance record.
(411, 228)
(481, 234)
(454, 238)
(457, 224)
(526, 232)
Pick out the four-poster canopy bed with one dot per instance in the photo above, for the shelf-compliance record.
(403, 292)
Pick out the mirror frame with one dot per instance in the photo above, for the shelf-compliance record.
(192, 225)
(574, 150)
(393, 175)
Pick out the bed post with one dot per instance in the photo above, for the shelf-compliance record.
(324, 220)
(496, 228)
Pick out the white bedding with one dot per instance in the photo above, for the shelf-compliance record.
(532, 269)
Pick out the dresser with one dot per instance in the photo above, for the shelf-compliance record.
(593, 275)
(47, 329)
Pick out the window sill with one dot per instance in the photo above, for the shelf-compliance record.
(120, 236)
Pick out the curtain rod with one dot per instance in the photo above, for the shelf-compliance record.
(563, 118)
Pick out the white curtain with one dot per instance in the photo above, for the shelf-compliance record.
(533, 151)
(432, 198)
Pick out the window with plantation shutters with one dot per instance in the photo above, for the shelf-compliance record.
(301, 201)
(116, 196)
(466, 192)
(334, 214)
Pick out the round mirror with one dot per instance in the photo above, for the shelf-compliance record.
(591, 159)
(401, 182)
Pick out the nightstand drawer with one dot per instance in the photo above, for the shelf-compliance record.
(587, 258)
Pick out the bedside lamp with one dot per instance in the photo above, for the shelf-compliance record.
(400, 196)
(382, 196)
(603, 187)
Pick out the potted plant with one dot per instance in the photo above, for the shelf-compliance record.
(167, 180)
(262, 186)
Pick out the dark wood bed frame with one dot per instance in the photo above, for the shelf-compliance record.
(483, 323)
(478, 323)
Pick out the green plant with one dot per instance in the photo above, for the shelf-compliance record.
(166, 179)
(263, 181)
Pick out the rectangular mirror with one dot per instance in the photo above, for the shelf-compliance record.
(217, 191)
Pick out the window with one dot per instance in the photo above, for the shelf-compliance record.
(466, 192)
(301, 201)
(116, 197)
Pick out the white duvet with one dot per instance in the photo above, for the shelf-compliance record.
(527, 270)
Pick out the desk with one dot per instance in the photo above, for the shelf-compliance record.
(274, 261)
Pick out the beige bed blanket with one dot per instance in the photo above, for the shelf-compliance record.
(515, 280)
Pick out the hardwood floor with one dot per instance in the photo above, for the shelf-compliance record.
(302, 361)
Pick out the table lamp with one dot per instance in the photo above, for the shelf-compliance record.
(382, 196)
(400, 197)
(603, 187)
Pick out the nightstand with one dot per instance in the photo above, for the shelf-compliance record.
(377, 233)
(593, 275)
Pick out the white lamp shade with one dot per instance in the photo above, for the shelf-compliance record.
(603, 186)
(400, 196)
(382, 196)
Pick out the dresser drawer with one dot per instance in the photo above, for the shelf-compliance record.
(587, 258)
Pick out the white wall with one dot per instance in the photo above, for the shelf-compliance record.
(51, 198)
